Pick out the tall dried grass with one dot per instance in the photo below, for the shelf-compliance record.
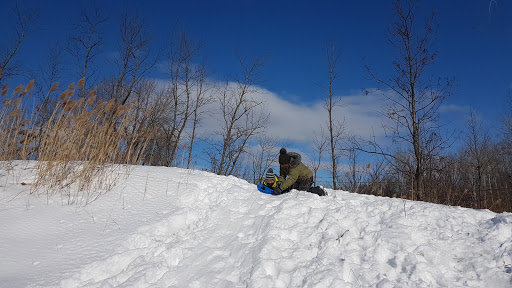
(16, 133)
(79, 148)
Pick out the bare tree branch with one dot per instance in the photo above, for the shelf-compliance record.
(24, 19)
(412, 101)
(242, 119)
(86, 44)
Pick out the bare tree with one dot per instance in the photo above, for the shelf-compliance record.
(241, 116)
(413, 99)
(336, 127)
(48, 75)
(159, 151)
(506, 141)
(506, 118)
(182, 101)
(186, 90)
(135, 59)
(50, 71)
(86, 42)
(201, 100)
(262, 158)
(320, 144)
(11, 47)
(143, 116)
(477, 142)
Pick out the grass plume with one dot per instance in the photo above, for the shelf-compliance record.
(75, 145)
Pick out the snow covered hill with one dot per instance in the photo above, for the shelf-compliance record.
(170, 227)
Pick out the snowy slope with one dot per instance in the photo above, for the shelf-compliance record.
(170, 227)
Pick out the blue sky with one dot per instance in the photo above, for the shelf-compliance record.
(474, 41)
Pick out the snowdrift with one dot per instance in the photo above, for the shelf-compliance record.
(171, 227)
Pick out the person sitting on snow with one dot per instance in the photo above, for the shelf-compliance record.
(293, 174)
(270, 179)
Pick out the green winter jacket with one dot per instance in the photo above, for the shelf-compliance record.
(297, 171)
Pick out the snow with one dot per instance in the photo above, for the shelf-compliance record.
(172, 227)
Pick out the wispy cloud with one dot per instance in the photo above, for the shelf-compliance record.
(294, 121)
(297, 122)
(451, 108)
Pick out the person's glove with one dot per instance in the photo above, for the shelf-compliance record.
(277, 190)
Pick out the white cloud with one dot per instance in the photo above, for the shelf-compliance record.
(362, 114)
(298, 122)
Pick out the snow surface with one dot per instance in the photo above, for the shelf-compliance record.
(171, 227)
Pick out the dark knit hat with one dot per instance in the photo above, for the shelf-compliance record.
(270, 175)
(284, 158)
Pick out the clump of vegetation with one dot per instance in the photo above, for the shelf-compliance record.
(75, 145)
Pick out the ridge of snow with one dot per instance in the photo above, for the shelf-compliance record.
(172, 227)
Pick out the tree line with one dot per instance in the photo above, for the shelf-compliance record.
(128, 117)
(427, 160)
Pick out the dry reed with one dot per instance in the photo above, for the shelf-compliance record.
(77, 148)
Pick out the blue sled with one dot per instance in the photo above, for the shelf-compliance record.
(265, 189)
